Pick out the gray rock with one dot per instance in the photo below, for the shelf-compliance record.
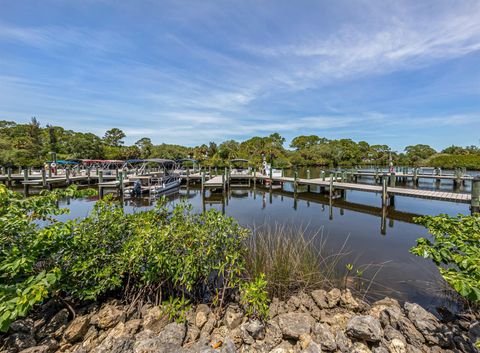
(427, 324)
(209, 325)
(173, 333)
(312, 347)
(56, 324)
(343, 342)
(23, 326)
(320, 297)
(256, 329)
(77, 329)
(323, 335)
(201, 318)
(154, 345)
(390, 316)
(295, 324)
(293, 303)
(273, 334)
(474, 332)
(115, 345)
(20, 341)
(390, 333)
(410, 332)
(233, 317)
(365, 328)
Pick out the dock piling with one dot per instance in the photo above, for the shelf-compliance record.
(475, 201)
(384, 192)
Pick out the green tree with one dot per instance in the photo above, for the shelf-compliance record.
(114, 137)
(145, 146)
(418, 153)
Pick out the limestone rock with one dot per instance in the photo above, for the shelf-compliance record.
(343, 342)
(323, 335)
(320, 297)
(256, 329)
(77, 329)
(295, 324)
(365, 328)
(397, 346)
(333, 297)
(109, 316)
(233, 317)
(359, 347)
(173, 333)
(153, 319)
(348, 301)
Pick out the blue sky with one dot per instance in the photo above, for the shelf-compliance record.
(189, 72)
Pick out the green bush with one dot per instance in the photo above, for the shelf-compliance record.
(452, 161)
(254, 297)
(455, 249)
(150, 255)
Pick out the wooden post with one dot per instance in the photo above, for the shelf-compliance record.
(393, 179)
(89, 169)
(210, 172)
(25, 180)
(120, 185)
(100, 176)
(44, 178)
(308, 173)
(188, 176)
(295, 175)
(384, 192)
(9, 176)
(415, 176)
(67, 176)
(271, 177)
(203, 180)
(254, 177)
(331, 186)
(475, 202)
(322, 175)
(223, 183)
(283, 172)
(216, 171)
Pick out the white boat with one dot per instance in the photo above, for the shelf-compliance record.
(162, 179)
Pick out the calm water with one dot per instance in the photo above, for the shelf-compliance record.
(380, 238)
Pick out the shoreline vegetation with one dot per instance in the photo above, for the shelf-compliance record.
(31, 145)
(175, 260)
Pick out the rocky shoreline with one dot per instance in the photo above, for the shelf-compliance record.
(320, 321)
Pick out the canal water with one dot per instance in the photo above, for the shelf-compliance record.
(377, 239)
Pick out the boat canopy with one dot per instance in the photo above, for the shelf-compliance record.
(159, 160)
(182, 160)
(67, 162)
(239, 160)
(97, 161)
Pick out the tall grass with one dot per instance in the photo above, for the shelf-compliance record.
(293, 259)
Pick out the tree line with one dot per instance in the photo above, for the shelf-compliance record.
(31, 144)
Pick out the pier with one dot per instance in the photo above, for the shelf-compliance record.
(335, 185)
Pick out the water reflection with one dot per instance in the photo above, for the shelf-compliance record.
(375, 235)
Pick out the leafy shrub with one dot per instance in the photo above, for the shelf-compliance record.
(455, 249)
(176, 308)
(150, 255)
(254, 297)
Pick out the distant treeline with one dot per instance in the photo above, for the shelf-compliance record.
(30, 145)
